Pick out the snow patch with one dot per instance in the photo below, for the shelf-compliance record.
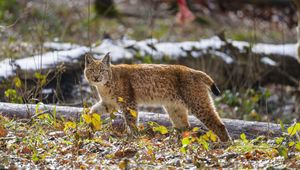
(41, 61)
(116, 51)
(279, 49)
(60, 46)
(228, 59)
(268, 61)
(241, 45)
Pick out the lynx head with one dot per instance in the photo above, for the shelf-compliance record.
(97, 72)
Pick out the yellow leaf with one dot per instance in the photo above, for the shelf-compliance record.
(161, 129)
(17, 82)
(205, 137)
(132, 112)
(87, 118)
(212, 136)
(291, 144)
(195, 129)
(83, 167)
(69, 125)
(86, 110)
(244, 138)
(120, 99)
(44, 116)
(123, 164)
(297, 146)
(96, 117)
(96, 121)
(292, 130)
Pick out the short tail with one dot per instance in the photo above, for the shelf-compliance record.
(215, 89)
(209, 82)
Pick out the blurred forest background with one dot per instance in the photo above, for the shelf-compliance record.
(27, 25)
(247, 46)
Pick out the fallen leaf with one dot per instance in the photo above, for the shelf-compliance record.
(292, 130)
(87, 118)
(132, 112)
(96, 121)
(249, 155)
(127, 152)
(3, 131)
(161, 129)
(26, 150)
(185, 134)
(124, 164)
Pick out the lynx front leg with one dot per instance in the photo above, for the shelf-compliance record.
(130, 115)
(178, 115)
(99, 107)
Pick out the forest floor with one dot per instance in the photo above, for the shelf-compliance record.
(44, 142)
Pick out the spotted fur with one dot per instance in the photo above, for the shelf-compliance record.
(177, 88)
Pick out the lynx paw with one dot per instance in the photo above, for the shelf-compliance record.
(97, 108)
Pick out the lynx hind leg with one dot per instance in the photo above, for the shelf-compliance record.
(205, 111)
(178, 115)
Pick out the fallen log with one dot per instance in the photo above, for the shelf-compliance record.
(235, 127)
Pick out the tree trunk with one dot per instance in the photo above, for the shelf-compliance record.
(235, 127)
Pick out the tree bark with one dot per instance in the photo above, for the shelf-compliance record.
(235, 127)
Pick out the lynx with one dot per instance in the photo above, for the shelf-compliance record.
(177, 88)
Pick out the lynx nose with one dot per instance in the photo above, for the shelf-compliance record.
(98, 79)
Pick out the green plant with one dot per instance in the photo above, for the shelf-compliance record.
(12, 96)
(246, 105)
(9, 9)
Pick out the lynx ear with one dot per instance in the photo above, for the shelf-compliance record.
(106, 59)
(88, 59)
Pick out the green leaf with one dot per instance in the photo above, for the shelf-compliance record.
(291, 144)
(297, 146)
(283, 151)
(183, 149)
(279, 140)
(244, 138)
(282, 126)
(35, 157)
(161, 129)
(41, 78)
(186, 141)
(292, 130)
(203, 142)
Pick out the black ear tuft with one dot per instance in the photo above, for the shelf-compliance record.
(88, 59)
(106, 59)
(215, 90)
